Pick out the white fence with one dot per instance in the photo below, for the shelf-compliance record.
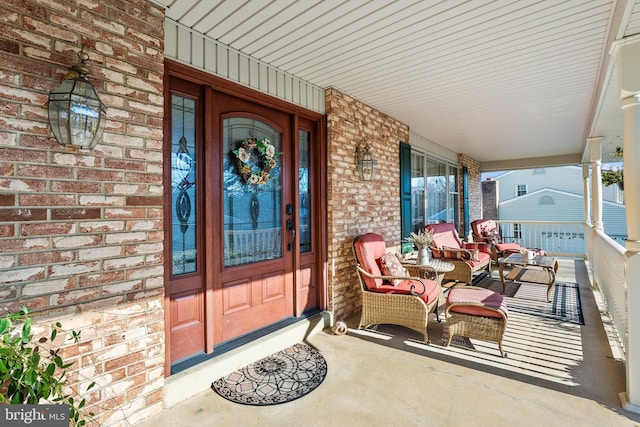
(606, 257)
(609, 272)
(556, 238)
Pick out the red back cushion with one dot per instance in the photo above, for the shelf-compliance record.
(484, 227)
(444, 235)
(369, 248)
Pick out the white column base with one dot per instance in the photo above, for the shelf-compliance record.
(627, 405)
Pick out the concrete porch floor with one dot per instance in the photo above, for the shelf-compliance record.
(569, 377)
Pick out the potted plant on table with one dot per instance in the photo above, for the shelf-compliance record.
(422, 240)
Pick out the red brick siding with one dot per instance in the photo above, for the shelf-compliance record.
(475, 189)
(357, 207)
(81, 231)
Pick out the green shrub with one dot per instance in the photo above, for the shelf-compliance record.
(32, 371)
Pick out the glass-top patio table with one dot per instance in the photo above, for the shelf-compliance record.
(523, 270)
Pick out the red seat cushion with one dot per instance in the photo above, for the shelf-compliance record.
(482, 258)
(513, 247)
(476, 295)
(404, 288)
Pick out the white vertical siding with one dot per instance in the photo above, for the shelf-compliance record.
(190, 47)
(566, 178)
(565, 207)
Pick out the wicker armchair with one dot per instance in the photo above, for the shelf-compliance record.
(391, 299)
(487, 230)
(467, 258)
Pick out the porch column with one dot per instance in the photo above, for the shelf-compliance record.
(586, 195)
(586, 201)
(628, 62)
(595, 157)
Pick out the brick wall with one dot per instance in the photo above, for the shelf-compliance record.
(357, 207)
(474, 187)
(81, 231)
(490, 199)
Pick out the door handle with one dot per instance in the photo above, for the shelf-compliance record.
(292, 229)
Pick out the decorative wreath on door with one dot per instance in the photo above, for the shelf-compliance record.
(255, 159)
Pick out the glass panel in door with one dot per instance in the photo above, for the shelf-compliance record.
(186, 298)
(252, 192)
(304, 172)
(183, 186)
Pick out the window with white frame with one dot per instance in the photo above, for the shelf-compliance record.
(521, 190)
(434, 191)
(517, 231)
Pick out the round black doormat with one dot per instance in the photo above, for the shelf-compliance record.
(279, 378)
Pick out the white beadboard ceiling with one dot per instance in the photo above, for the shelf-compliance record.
(497, 80)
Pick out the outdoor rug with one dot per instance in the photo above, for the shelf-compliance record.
(530, 298)
(279, 378)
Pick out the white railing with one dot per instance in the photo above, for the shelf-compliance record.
(560, 238)
(568, 239)
(609, 274)
(245, 246)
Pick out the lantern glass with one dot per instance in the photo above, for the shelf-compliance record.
(76, 114)
(367, 166)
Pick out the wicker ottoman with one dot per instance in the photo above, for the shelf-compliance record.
(476, 313)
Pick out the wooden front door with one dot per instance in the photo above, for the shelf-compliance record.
(256, 286)
(243, 236)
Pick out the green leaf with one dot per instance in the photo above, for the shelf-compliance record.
(3, 366)
(46, 391)
(34, 359)
(16, 399)
(30, 377)
(54, 333)
(51, 369)
(26, 331)
(5, 324)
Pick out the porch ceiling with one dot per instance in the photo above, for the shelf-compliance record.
(496, 80)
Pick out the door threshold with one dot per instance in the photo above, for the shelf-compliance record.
(200, 371)
(227, 346)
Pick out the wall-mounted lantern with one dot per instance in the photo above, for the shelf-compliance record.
(76, 114)
(366, 163)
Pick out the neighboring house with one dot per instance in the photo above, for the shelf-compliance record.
(555, 194)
